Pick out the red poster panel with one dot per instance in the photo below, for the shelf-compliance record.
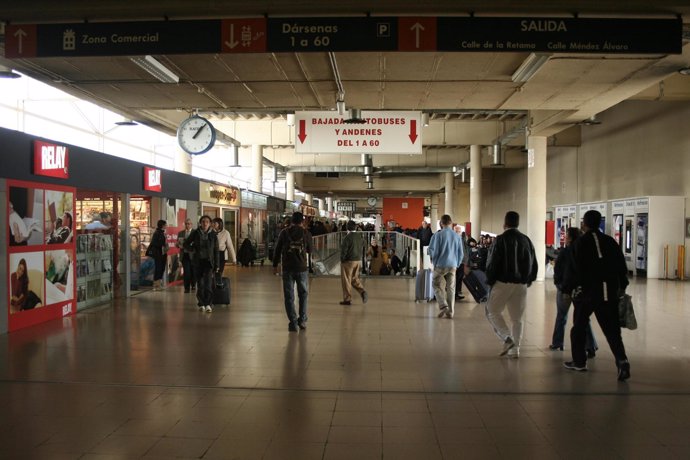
(51, 160)
(550, 232)
(41, 253)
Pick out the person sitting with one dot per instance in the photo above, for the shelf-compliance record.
(375, 258)
(396, 263)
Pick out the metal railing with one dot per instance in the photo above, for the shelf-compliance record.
(326, 254)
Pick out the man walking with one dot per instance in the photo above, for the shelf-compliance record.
(294, 243)
(446, 252)
(186, 256)
(510, 270)
(599, 278)
(351, 251)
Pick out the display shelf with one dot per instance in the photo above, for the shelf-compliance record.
(94, 269)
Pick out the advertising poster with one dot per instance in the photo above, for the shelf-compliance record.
(176, 213)
(41, 252)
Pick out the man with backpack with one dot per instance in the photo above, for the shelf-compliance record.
(294, 243)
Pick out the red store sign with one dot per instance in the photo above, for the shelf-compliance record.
(152, 179)
(51, 160)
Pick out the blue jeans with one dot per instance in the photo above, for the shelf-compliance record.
(302, 281)
(563, 302)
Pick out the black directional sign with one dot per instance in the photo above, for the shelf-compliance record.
(560, 35)
(333, 34)
(256, 35)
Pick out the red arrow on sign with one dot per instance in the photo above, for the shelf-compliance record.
(302, 135)
(413, 130)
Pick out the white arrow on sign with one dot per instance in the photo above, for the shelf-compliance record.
(232, 43)
(417, 27)
(20, 34)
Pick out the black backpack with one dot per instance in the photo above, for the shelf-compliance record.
(296, 254)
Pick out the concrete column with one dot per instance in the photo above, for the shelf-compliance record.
(476, 189)
(290, 186)
(257, 167)
(322, 204)
(534, 225)
(434, 212)
(450, 179)
(329, 203)
(182, 161)
(309, 198)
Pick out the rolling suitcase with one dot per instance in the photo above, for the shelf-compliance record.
(221, 291)
(477, 285)
(423, 289)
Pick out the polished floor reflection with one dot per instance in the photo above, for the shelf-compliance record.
(154, 378)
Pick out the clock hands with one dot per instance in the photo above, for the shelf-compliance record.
(198, 131)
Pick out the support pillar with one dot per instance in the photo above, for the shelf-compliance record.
(536, 198)
(182, 162)
(322, 204)
(290, 186)
(257, 168)
(309, 198)
(449, 179)
(329, 204)
(476, 190)
(434, 212)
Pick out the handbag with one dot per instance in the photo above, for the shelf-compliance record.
(626, 313)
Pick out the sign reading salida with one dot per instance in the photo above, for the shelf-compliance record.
(51, 160)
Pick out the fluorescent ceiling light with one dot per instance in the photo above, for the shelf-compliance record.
(529, 67)
(155, 68)
(6, 72)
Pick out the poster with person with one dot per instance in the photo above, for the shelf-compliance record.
(59, 216)
(26, 281)
(25, 216)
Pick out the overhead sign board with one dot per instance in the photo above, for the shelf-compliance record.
(346, 206)
(152, 179)
(259, 35)
(391, 132)
(560, 35)
(333, 34)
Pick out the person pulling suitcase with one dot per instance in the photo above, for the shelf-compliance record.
(446, 252)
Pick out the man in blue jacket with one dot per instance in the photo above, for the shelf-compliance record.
(510, 270)
(445, 250)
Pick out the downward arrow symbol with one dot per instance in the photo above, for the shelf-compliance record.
(302, 134)
(413, 130)
(232, 43)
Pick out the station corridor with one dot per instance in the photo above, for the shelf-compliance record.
(151, 377)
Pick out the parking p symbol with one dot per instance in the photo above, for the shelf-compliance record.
(383, 29)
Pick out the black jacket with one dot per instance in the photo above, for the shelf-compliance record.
(425, 235)
(564, 263)
(511, 259)
(204, 248)
(600, 272)
(293, 232)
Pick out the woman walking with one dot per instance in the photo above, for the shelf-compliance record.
(158, 251)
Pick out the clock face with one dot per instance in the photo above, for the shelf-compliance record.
(196, 135)
(371, 201)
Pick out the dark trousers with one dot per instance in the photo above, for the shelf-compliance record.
(607, 316)
(204, 284)
(301, 279)
(563, 302)
(159, 268)
(188, 269)
(459, 276)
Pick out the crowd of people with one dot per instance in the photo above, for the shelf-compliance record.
(590, 274)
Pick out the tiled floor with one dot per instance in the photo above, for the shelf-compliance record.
(154, 378)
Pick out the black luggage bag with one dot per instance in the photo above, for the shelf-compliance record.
(476, 283)
(221, 291)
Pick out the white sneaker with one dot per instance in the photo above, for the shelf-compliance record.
(442, 312)
(201, 308)
(208, 309)
(513, 353)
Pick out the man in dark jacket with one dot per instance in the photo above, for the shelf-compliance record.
(294, 243)
(203, 245)
(424, 234)
(510, 270)
(598, 277)
(351, 251)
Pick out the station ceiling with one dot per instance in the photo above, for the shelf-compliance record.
(472, 92)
